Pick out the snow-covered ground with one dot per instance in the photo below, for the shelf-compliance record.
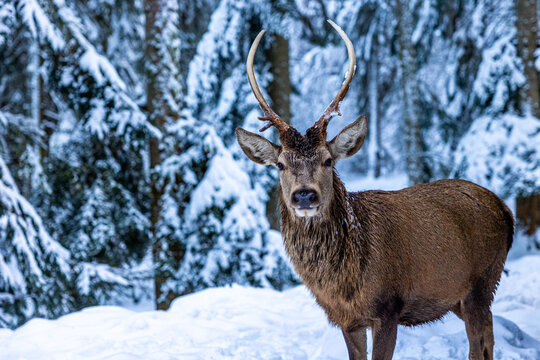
(388, 182)
(246, 323)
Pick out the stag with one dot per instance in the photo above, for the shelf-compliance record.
(381, 258)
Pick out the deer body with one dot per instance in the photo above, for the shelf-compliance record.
(420, 249)
(381, 258)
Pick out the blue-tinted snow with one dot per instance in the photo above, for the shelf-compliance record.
(248, 323)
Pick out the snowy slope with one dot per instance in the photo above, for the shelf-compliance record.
(248, 323)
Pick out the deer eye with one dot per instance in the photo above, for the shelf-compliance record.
(328, 162)
(280, 166)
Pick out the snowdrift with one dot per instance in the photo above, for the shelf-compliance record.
(247, 323)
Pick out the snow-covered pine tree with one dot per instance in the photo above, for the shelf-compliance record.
(500, 150)
(101, 203)
(528, 200)
(82, 160)
(163, 97)
(412, 132)
(35, 270)
(20, 94)
(468, 76)
(92, 138)
(213, 213)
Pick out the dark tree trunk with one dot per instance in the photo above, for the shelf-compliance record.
(158, 76)
(528, 207)
(410, 94)
(374, 145)
(279, 91)
(528, 213)
(527, 39)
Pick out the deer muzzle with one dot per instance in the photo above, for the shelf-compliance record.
(305, 202)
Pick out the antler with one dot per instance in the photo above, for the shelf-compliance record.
(333, 108)
(269, 114)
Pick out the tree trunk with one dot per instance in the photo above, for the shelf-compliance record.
(410, 93)
(527, 39)
(373, 100)
(151, 10)
(528, 213)
(162, 100)
(528, 207)
(279, 91)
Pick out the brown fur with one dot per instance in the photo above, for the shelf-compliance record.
(414, 254)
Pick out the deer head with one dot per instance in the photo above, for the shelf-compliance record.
(305, 162)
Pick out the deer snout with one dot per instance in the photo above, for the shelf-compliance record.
(305, 198)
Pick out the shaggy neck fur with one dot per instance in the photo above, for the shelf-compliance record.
(321, 246)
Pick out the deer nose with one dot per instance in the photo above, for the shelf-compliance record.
(304, 198)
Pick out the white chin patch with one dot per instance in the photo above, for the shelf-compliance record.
(306, 212)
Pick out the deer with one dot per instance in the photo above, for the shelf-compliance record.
(379, 259)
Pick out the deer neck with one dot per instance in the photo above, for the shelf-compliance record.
(321, 246)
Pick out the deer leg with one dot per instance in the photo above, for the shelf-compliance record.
(489, 341)
(384, 338)
(477, 316)
(356, 343)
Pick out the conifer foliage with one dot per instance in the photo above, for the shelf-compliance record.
(35, 271)
(212, 228)
(119, 169)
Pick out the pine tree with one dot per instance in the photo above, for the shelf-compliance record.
(122, 137)
(410, 94)
(163, 90)
(80, 156)
(35, 270)
(213, 215)
(528, 202)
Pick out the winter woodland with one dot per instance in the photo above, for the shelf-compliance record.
(121, 181)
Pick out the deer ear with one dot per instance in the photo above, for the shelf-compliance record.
(257, 148)
(349, 140)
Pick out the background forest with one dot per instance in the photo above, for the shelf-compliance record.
(120, 176)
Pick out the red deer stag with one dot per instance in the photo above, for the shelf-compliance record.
(381, 258)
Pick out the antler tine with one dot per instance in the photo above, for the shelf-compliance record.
(269, 114)
(333, 108)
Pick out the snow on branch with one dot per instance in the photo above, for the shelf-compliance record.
(501, 153)
(39, 23)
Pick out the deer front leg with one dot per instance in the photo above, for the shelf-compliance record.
(356, 343)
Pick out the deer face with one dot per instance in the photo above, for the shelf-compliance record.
(305, 163)
(306, 181)
(305, 169)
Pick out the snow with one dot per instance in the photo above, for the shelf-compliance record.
(29, 257)
(500, 58)
(250, 323)
(475, 68)
(389, 182)
(100, 67)
(102, 272)
(424, 14)
(28, 237)
(39, 24)
(493, 145)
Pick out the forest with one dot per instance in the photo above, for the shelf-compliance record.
(121, 180)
